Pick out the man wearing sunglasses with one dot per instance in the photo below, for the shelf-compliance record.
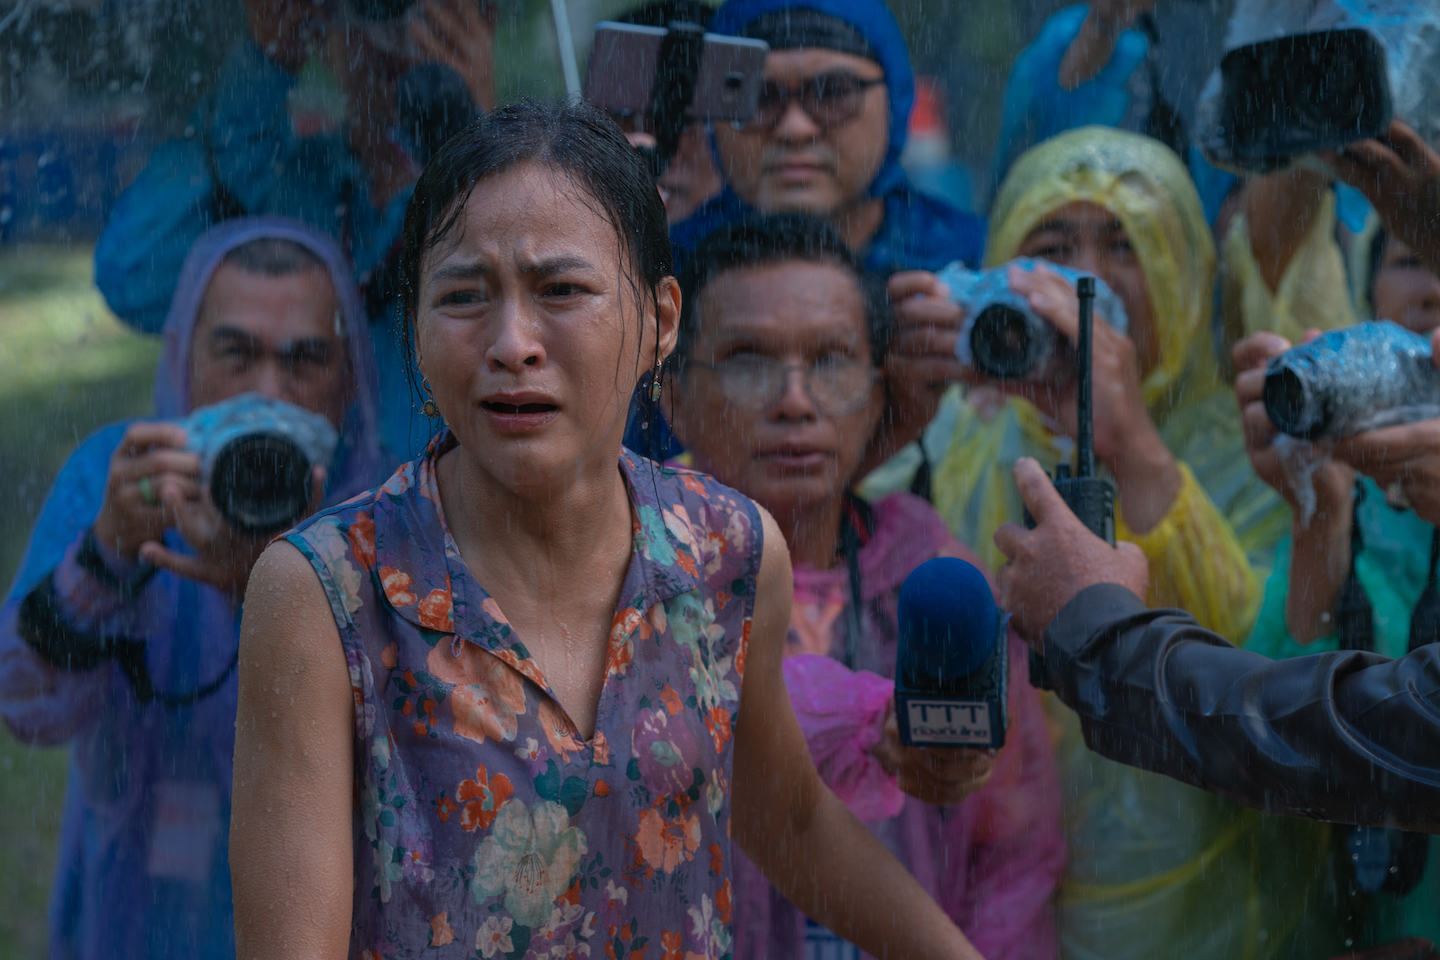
(826, 141)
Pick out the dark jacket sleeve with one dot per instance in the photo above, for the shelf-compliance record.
(1348, 737)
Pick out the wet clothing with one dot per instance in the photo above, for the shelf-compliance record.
(918, 232)
(1344, 736)
(1156, 868)
(142, 870)
(242, 155)
(991, 862)
(1392, 567)
(1125, 94)
(486, 823)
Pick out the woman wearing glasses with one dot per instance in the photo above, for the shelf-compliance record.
(777, 388)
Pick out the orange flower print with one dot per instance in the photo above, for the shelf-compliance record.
(717, 859)
(622, 644)
(671, 941)
(440, 932)
(671, 699)
(362, 539)
(602, 749)
(602, 789)
(563, 737)
(482, 799)
(397, 586)
(723, 901)
(744, 649)
(693, 484)
(435, 611)
(665, 844)
(717, 719)
(485, 694)
(493, 609)
(390, 655)
(443, 808)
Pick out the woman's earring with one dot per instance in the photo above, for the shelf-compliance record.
(655, 385)
(430, 409)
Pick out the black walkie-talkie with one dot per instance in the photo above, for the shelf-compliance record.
(1089, 497)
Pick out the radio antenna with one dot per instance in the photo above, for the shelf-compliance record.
(1085, 414)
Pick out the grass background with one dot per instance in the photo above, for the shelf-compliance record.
(67, 366)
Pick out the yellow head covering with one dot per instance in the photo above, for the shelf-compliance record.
(1144, 184)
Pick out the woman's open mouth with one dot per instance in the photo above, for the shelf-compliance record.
(518, 417)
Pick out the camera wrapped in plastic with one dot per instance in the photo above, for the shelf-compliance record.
(1300, 77)
(1003, 337)
(1348, 381)
(257, 455)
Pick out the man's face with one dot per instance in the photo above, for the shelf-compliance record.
(790, 160)
(275, 335)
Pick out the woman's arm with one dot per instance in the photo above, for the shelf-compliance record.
(795, 829)
(291, 859)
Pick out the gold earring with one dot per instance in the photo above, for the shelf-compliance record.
(655, 385)
(430, 409)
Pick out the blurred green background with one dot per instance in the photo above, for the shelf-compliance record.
(66, 367)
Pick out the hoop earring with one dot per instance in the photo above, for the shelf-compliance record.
(430, 408)
(655, 384)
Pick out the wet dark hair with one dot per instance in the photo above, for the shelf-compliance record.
(273, 257)
(660, 13)
(1376, 253)
(776, 238)
(575, 140)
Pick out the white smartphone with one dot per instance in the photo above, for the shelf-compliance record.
(622, 72)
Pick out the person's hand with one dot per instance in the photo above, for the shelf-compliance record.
(1126, 439)
(1049, 565)
(1406, 457)
(223, 556)
(286, 30)
(461, 35)
(1333, 481)
(150, 463)
(1400, 176)
(920, 362)
(935, 775)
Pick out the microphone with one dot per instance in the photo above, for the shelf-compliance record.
(952, 666)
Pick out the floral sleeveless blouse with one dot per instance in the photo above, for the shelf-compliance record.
(486, 826)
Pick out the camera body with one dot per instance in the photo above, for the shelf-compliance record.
(1348, 381)
(256, 457)
(1297, 78)
(1003, 337)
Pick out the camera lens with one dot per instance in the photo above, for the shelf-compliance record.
(261, 484)
(1002, 342)
(1287, 402)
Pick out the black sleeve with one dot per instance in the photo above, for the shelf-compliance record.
(1348, 737)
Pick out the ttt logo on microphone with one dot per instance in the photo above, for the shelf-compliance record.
(949, 722)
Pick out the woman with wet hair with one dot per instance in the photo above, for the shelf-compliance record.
(500, 705)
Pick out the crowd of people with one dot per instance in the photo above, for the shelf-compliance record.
(490, 697)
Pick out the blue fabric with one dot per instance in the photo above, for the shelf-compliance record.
(270, 171)
(107, 902)
(1037, 108)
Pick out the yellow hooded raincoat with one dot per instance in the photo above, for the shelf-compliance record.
(1157, 868)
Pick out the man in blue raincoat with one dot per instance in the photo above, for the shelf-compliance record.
(826, 141)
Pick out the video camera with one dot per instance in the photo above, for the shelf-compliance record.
(1300, 77)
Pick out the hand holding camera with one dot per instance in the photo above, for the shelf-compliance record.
(1126, 439)
(228, 478)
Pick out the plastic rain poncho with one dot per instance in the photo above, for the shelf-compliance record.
(1157, 868)
(143, 868)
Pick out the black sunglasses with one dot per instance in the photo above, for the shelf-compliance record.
(829, 99)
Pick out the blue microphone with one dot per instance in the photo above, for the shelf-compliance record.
(952, 666)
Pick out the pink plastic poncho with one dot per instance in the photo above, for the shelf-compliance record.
(992, 862)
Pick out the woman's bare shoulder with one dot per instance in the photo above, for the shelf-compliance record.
(287, 613)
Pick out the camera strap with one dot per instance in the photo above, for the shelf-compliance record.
(857, 528)
(1392, 861)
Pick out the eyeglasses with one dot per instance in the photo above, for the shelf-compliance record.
(830, 99)
(838, 386)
